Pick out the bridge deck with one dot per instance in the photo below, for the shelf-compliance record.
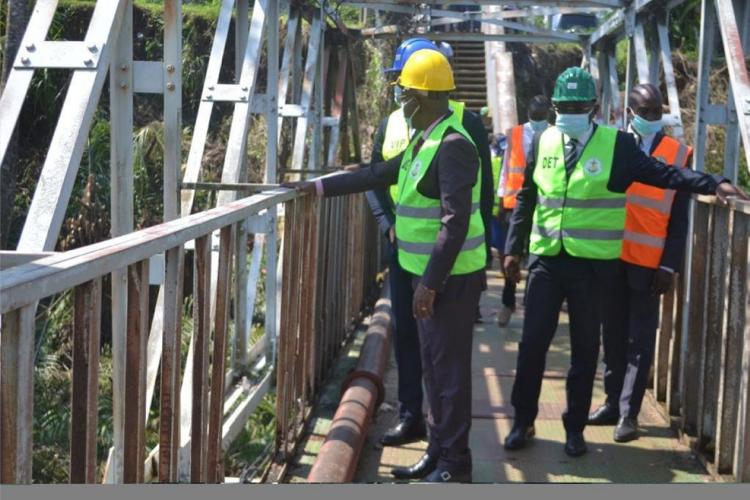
(657, 457)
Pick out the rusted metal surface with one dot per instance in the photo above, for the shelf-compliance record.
(731, 346)
(666, 330)
(17, 394)
(691, 379)
(216, 405)
(169, 397)
(672, 402)
(713, 321)
(84, 409)
(363, 392)
(711, 401)
(135, 372)
(339, 454)
(318, 310)
(202, 325)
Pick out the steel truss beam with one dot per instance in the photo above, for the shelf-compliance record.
(519, 3)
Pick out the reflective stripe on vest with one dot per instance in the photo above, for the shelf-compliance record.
(648, 210)
(577, 212)
(396, 138)
(418, 218)
(516, 167)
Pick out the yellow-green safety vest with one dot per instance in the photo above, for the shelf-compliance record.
(497, 165)
(577, 212)
(397, 135)
(418, 217)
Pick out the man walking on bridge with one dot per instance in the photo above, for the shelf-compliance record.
(653, 247)
(570, 214)
(511, 181)
(391, 140)
(441, 244)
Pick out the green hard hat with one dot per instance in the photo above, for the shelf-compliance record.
(574, 84)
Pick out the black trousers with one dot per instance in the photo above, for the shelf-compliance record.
(552, 279)
(405, 340)
(446, 340)
(509, 294)
(630, 319)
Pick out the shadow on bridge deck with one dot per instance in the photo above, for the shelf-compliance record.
(657, 457)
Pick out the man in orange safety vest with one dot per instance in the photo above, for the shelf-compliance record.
(653, 247)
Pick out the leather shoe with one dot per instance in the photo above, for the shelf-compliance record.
(604, 415)
(406, 431)
(575, 445)
(444, 476)
(518, 437)
(626, 430)
(426, 465)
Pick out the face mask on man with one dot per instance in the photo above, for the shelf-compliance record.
(397, 91)
(573, 125)
(538, 125)
(410, 118)
(645, 127)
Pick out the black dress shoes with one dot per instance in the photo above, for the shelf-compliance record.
(444, 476)
(626, 430)
(575, 445)
(406, 431)
(518, 437)
(419, 470)
(604, 415)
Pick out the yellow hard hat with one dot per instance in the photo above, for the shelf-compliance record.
(427, 69)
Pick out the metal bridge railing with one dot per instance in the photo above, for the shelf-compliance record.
(327, 273)
(702, 370)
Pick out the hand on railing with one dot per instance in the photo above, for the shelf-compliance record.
(727, 190)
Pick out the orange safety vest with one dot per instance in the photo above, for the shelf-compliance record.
(516, 167)
(648, 209)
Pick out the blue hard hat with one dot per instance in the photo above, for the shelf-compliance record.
(406, 49)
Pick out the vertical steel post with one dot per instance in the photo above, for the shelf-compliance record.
(707, 41)
(121, 196)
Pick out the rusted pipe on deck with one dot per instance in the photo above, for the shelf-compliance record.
(363, 392)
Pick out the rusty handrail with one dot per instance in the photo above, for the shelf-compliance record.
(702, 371)
(328, 270)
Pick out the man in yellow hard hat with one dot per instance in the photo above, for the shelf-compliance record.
(440, 238)
(390, 141)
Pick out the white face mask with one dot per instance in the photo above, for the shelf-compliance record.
(411, 116)
(397, 91)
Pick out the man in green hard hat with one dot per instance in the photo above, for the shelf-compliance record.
(570, 215)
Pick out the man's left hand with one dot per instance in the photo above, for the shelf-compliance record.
(424, 300)
(727, 190)
(662, 282)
